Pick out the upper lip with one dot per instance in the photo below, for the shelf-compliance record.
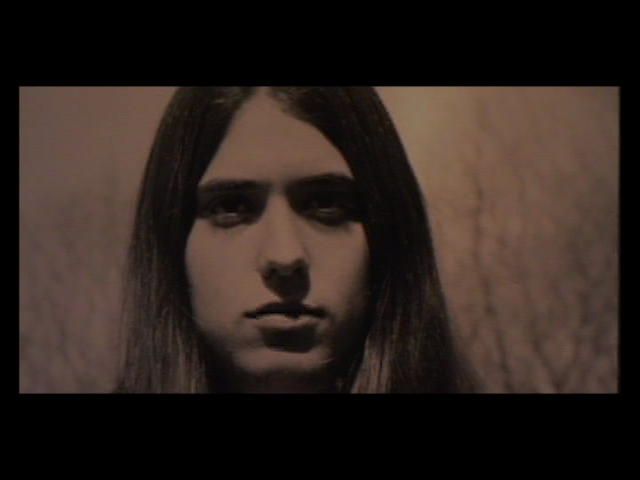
(290, 309)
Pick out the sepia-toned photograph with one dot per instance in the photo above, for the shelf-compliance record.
(319, 239)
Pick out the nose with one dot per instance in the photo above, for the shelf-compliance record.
(283, 261)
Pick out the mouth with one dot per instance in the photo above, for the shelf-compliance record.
(288, 326)
(289, 309)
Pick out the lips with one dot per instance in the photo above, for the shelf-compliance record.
(288, 309)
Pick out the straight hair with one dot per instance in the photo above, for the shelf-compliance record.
(409, 346)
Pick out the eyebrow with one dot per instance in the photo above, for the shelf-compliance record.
(216, 187)
(330, 180)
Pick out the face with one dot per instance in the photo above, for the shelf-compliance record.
(277, 258)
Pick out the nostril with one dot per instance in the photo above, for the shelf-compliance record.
(285, 269)
(288, 281)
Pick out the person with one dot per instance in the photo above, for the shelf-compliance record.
(281, 244)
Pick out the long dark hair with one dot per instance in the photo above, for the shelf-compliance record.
(409, 346)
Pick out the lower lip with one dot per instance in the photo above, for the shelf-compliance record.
(283, 322)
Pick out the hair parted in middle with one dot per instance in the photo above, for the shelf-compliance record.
(409, 345)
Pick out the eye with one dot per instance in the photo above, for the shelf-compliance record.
(231, 210)
(329, 208)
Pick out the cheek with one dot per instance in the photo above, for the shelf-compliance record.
(342, 285)
(213, 277)
(341, 268)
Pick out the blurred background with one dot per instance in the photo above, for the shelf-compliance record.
(521, 185)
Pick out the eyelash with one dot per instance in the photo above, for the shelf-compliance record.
(230, 211)
(331, 209)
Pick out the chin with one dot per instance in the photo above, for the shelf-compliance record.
(265, 360)
(276, 371)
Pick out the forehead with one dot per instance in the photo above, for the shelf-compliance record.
(265, 143)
